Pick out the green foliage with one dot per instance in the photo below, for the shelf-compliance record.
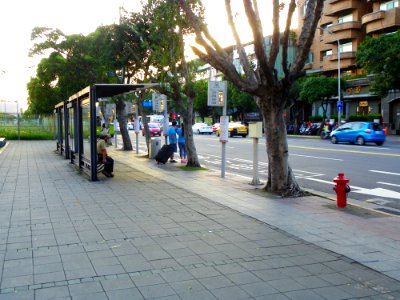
(315, 119)
(369, 118)
(200, 100)
(381, 57)
(313, 89)
(242, 101)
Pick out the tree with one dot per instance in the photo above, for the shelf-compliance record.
(261, 80)
(168, 27)
(319, 89)
(381, 57)
(76, 61)
(200, 100)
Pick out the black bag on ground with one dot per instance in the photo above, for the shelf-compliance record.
(164, 153)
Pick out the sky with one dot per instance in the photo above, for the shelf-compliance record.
(18, 18)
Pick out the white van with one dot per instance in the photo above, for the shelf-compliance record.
(155, 119)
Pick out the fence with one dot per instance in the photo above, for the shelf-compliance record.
(27, 128)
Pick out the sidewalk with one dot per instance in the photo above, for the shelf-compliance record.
(156, 232)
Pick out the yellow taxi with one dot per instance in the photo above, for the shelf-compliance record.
(236, 128)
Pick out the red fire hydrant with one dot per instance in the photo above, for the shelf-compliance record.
(341, 188)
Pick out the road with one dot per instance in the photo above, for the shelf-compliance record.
(373, 171)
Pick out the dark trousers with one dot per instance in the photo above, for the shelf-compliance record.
(108, 165)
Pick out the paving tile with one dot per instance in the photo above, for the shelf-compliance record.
(304, 295)
(216, 282)
(203, 272)
(333, 292)
(85, 288)
(285, 285)
(258, 289)
(156, 291)
(151, 279)
(175, 276)
(52, 293)
(243, 278)
(230, 293)
(128, 293)
(49, 277)
(93, 296)
(230, 268)
(21, 295)
(10, 282)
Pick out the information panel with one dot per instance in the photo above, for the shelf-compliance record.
(217, 91)
(223, 127)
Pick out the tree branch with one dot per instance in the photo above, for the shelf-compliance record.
(253, 18)
(285, 42)
(313, 14)
(275, 35)
(242, 53)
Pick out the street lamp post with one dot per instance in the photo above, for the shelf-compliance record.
(339, 103)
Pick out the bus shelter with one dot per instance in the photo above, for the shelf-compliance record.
(76, 123)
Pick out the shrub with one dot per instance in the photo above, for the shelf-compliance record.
(369, 118)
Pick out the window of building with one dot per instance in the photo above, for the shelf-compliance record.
(346, 18)
(348, 47)
(389, 5)
(327, 53)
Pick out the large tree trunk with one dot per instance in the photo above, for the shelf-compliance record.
(281, 179)
(126, 140)
(192, 158)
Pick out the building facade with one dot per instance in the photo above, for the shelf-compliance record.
(343, 26)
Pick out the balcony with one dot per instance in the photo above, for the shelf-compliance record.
(345, 26)
(347, 60)
(330, 38)
(381, 21)
(336, 7)
(375, 16)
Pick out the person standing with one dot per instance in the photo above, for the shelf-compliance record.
(181, 143)
(173, 140)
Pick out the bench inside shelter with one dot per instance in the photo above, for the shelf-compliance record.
(76, 124)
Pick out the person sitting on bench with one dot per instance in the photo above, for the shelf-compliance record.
(102, 156)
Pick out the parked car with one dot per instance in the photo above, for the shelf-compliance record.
(154, 129)
(235, 128)
(215, 127)
(359, 133)
(202, 128)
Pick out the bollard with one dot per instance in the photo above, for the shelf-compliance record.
(341, 188)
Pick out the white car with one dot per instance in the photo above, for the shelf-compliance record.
(202, 128)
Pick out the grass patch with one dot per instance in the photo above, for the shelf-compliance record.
(26, 133)
(184, 168)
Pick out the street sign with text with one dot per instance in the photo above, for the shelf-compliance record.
(217, 91)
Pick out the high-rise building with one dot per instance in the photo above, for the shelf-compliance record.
(342, 27)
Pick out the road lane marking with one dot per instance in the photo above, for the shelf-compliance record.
(316, 157)
(346, 151)
(387, 183)
(380, 192)
(384, 172)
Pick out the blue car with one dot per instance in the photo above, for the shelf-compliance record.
(359, 133)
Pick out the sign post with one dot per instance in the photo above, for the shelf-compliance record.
(137, 126)
(339, 108)
(217, 96)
